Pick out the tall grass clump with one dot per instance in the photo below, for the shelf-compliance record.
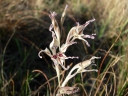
(113, 21)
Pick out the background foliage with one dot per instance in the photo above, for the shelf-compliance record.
(24, 31)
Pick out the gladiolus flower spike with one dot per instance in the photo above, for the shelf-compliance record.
(56, 51)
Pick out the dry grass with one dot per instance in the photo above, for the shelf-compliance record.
(23, 20)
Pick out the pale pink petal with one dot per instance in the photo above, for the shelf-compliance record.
(88, 22)
(51, 27)
(71, 33)
(46, 51)
(80, 38)
(54, 61)
(88, 36)
(80, 29)
(54, 45)
(64, 47)
(65, 68)
(55, 25)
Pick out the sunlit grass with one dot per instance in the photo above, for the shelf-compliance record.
(111, 19)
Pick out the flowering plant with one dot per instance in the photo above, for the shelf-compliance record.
(56, 51)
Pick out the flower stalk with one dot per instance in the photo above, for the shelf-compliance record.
(56, 51)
